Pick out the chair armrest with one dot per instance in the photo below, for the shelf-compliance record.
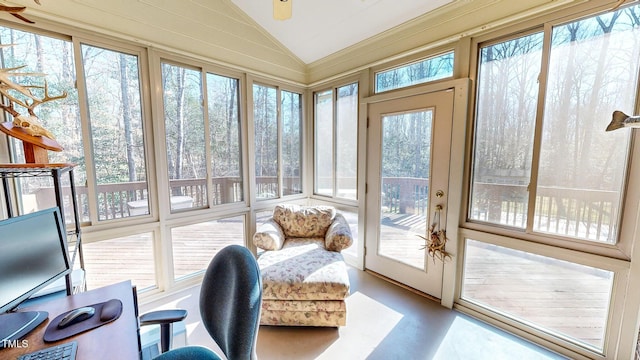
(269, 236)
(164, 318)
(160, 317)
(338, 236)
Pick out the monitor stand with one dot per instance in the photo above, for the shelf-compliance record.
(14, 326)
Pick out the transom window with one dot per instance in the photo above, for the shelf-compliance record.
(430, 69)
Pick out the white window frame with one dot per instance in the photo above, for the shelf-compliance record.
(623, 320)
(279, 87)
(334, 100)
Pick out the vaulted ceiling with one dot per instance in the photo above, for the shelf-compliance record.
(318, 28)
(323, 39)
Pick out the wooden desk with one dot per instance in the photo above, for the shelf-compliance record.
(116, 340)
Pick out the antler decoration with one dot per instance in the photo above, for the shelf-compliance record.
(437, 240)
(12, 91)
(617, 5)
(16, 10)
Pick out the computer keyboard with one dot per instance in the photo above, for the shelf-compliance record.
(66, 351)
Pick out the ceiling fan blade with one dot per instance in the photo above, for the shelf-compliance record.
(282, 9)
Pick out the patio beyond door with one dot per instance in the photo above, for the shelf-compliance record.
(408, 155)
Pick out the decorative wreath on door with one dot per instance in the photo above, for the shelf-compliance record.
(437, 240)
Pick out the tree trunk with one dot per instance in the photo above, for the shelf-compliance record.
(180, 130)
(126, 118)
(231, 122)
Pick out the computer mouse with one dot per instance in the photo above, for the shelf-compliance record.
(76, 316)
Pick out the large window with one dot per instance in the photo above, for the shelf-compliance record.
(336, 142)
(544, 168)
(119, 259)
(593, 70)
(562, 297)
(114, 113)
(53, 57)
(507, 96)
(102, 125)
(265, 119)
(277, 116)
(99, 125)
(185, 136)
(208, 237)
(323, 149)
(192, 138)
(112, 81)
(291, 143)
(226, 146)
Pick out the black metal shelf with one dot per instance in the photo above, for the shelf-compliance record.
(33, 170)
(56, 172)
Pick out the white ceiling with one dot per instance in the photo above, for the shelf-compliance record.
(319, 28)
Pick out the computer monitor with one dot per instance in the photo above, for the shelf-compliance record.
(33, 254)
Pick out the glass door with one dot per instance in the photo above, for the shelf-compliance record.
(407, 179)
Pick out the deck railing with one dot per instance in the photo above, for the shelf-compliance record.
(402, 195)
(583, 213)
(113, 199)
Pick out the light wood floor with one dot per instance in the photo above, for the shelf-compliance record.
(384, 321)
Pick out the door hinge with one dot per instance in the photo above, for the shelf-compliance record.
(366, 188)
(367, 122)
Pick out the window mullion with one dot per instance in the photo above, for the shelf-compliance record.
(207, 138)
(85, 126)
(537, 137)
(334, 144)
(280, 125)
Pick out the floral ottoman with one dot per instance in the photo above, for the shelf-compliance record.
(304, 276)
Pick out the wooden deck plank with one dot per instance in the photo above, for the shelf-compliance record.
(132, 258)
(569, 299)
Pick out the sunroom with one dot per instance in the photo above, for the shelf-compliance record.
(188, 124)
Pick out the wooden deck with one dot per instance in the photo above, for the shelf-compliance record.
(567, 298)
(400, 240)
(563, 297)
(132, 257)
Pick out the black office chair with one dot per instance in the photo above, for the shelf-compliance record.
(230, 302)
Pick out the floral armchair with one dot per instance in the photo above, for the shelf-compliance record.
(304, 276)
